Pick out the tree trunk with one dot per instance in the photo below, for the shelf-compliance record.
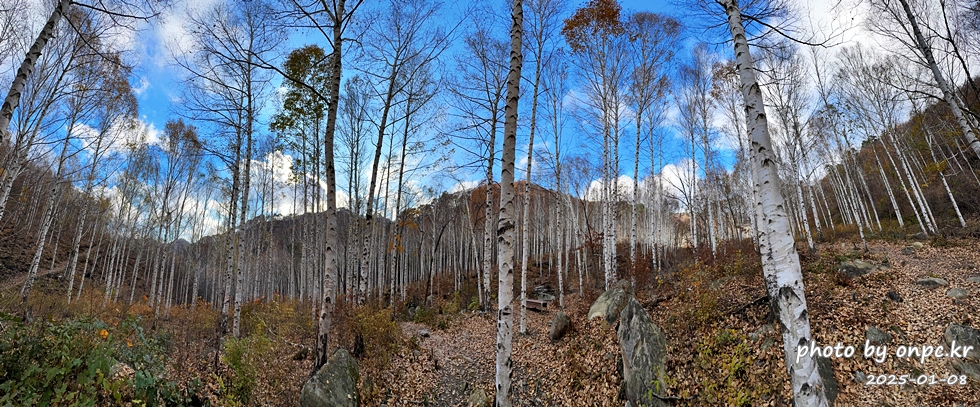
(784, 278)
(20, 80)
(326, 304)
(505, 229)
(948, 92)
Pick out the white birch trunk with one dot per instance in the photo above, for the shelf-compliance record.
(26, 67)
(948, 92)
(505, 229)
(784, 278)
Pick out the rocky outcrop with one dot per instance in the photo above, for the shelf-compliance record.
(611, 302)
(965, 336)
(559, 326)
(334, 385)
(644, 351)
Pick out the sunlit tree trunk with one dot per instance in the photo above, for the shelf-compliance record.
(505, 229)
(784, 279)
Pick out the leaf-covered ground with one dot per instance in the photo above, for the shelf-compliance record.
(723, 350)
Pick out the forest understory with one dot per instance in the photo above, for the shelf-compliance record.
(722, 347)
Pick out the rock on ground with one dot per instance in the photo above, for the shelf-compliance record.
(825, 368)
(644, 352)
(965, 336)
(611, 302)
(334, 385)
(932, 282)
(856, 268)
(877, 336)
(479, 399)
(957, 293)
(559, 326)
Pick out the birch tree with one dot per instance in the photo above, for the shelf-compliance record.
(781, 262)
(542, 25)
(508, 217)
(596, 35)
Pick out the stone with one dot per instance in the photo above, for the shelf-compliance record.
(957, 293)
(334, 385)
(767, 344)
(877, 336)
(825, 369)
(892, 295)
(762, 331)
(920, 236)
(479, 399)
(856, 268)
(644, 350)
(965, 336)
(908, 251)
(932, 282)
(917, 245)
(611, 302)
(424, 333)
(973, 279)
(559, 326)
(860, 377)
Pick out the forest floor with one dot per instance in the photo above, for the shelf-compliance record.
(722, 347)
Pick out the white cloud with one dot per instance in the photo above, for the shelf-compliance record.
(677, 176)
(143, 86)
(624, 184)
(463, 186)
(172, 33)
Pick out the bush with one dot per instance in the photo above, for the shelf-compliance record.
(70, 363)
(240, 355)
(65, 364)
(377, 336)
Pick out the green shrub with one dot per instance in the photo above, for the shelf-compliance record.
(46, 364)
(378, 335)
(70, 363)
(240, 355)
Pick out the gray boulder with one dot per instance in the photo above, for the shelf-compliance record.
(644, 350)
(479, 399)
(611, 302)
(334, 385)
(965, 336)
(957, 293)
(932, 282)
(973, 279)
(825, 369)
(559, 326)
(856, 268)
(877, 336)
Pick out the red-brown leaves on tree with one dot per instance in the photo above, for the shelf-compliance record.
(599, 19)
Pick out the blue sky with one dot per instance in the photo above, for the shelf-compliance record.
(158, 86)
